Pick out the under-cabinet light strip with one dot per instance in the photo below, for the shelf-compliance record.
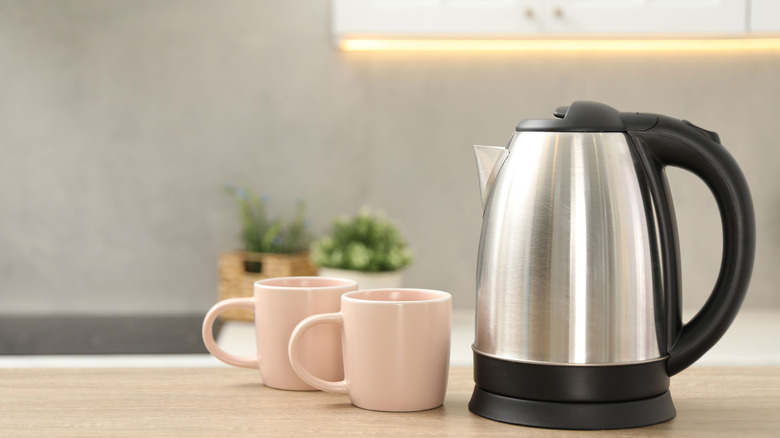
(560, 45)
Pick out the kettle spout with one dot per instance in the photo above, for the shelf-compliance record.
(489, 161)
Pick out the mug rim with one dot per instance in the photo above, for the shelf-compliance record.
(436, 296)
(268, 283)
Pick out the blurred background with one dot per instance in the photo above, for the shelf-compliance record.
(121, 121)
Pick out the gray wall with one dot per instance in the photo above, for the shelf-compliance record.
(121, 120)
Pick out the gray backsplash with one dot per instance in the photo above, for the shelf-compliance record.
(120, 121)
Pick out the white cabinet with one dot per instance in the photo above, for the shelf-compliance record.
(642, 17)
(540, 18)
(435, 17)
(764, 16)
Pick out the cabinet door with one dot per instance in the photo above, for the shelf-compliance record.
(764, 16)
(435, 17)
(644, 17)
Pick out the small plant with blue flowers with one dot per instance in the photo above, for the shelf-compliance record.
(263, 234)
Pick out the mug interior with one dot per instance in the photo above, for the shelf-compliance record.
(305, 282)
(398, 295)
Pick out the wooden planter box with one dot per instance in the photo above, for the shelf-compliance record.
(236, 282)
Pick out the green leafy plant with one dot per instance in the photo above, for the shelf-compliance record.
(261, 233)
(367, 242)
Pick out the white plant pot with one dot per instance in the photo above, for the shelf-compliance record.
(367, 280)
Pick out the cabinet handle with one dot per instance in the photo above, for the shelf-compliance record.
(558, 12)
(529, 13)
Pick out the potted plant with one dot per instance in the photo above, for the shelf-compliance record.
(368, 248)
(273, 247)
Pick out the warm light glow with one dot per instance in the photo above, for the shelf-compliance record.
(531, 45)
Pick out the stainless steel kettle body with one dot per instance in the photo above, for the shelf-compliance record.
(578, 290)
(570, 281)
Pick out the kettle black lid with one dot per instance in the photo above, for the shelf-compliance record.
(586, 116)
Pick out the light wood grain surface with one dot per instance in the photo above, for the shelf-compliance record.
(192, 402)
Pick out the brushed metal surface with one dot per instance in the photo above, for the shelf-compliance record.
(565, 273)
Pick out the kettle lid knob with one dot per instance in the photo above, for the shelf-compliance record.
(561, 111)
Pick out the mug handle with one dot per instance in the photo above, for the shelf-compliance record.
(208, 335)
(295, 356)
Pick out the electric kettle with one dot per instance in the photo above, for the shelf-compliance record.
(578, 321)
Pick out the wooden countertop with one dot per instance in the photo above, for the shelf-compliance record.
(189, 402)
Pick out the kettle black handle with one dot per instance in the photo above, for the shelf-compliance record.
(673, 142)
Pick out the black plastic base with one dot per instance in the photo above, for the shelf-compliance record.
(571, 383)
(563, 415)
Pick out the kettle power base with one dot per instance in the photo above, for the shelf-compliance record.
(580, 416)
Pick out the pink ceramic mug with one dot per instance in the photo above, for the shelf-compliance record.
(396, 348)
(279, 304)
